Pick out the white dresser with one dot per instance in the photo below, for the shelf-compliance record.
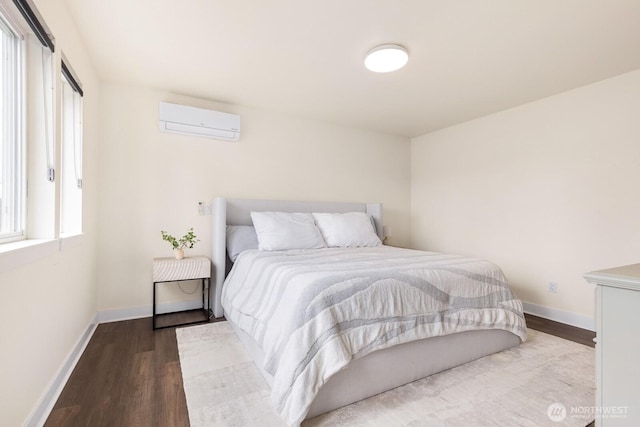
(618, 345)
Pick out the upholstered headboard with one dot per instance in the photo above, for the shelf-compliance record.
(238, 212)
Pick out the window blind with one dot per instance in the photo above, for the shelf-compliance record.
(47, 112)
(71, 78)
(75, 111)
(35, 21)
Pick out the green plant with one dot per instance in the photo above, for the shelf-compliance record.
(186, 241)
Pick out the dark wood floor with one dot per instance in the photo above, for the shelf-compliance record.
(130, 375)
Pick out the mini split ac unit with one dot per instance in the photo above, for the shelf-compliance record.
(187, 120)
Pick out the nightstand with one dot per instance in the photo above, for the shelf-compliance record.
(177, 270)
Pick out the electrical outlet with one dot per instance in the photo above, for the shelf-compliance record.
(553, 287)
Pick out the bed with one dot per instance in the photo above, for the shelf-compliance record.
(319, 359)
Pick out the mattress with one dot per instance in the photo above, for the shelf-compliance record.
(312, 312)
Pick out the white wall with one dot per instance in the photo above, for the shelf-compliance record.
(547, 190)
(152, 181)
(47, 304)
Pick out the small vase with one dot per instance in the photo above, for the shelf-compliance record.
(179, 253)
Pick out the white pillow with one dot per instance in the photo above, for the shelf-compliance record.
(239, 239)
(278, 231)
(347, 229)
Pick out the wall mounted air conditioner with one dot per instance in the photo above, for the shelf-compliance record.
(187, 120)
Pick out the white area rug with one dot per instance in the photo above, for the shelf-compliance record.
(529, 385)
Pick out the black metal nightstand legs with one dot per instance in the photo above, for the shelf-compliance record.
(206, 305)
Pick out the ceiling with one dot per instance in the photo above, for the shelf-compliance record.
(468, 58)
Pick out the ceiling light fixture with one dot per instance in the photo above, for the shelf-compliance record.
(386, 58)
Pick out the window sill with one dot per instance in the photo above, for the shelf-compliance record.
(25, 244)
(16, 254)
(71, 241)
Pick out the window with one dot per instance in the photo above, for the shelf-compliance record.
(12, 147)
(30, 148)
(71, 176)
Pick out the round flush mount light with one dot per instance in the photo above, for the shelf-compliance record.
(386, 58)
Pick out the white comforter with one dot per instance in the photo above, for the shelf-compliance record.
(313, 311)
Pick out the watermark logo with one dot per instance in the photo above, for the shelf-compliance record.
(556, 412)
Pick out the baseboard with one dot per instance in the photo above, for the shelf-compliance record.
(561, 316)
(41, 411)
(118, 314)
